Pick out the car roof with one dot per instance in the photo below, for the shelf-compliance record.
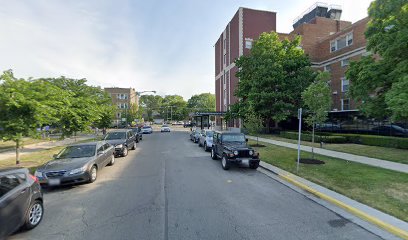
(13, 170)
(228, 132)
(88, 143)
(119, 130)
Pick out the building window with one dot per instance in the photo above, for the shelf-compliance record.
(341, 42)
(327, 68)
(345, 104)
(122, 105)
(225, 43)
(122, 96)
(345, 62)
(345, 84)
(118, 115)
(225, 58)
(248, 43)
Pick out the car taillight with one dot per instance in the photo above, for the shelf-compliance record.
(34, 178)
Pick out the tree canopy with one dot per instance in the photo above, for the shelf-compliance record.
(377, 80)
(204, 102)
(272, 78)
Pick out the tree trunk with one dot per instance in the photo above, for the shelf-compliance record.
(75, 136)
(17, 151)
(313, 140)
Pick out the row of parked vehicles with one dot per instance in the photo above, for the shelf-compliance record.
(230, 147)
(21, 198)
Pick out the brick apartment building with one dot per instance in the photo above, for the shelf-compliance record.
(331, 44)
(123, 98)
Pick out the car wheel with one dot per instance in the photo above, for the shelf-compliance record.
(224, 163)
(125, 152)
(93, 174)
(213, 155)
(112, 161)
(254, 165)
(34, 215)
(205, 147)
(134, 146)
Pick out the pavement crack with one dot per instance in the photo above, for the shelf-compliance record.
(83, 217)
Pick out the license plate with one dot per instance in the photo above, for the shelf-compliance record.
(245, 161)
(54, 182)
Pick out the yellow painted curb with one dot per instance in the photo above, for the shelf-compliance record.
(388, 227)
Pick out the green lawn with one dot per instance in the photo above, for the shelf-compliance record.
(35, 159)
(9, 145)
(382, 189)
(390, 154)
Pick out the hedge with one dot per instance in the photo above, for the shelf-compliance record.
(318, 138)
(371, 140)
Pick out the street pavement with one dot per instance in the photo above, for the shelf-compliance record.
(169, 188)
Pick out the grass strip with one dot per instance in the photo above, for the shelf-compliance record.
(383, 189)
(389, 154)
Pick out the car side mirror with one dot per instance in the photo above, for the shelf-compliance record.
(246, 139)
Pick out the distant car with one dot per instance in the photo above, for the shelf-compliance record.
(165, 128)
(206, 139)
(138, 134)
(232, 148)
(77, 163)
(21, 201)
(390, 130)
(122, 140)
(195, 135)
(327, 127)
(147, 130)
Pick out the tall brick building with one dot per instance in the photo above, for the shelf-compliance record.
(331, 44)
(235, 41)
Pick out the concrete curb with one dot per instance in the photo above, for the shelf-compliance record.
(357, 212)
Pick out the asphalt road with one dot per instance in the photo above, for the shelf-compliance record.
(169, 188)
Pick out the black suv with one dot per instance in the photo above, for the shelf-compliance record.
(21, 201)
(122, 140)
(232, 148)
(138, 132)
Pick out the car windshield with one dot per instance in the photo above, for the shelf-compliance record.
(77, 151)
(233, 138)
(210, 133)
(115, 135)
(146, 127)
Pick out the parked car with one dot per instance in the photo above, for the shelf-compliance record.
(138, 134)
(390, 130)
(77, 163)
(122, 140)
(206, 139)
(165, 128)
(147, 130)
(21, 201)
(232, 148)
(195, 135)
(327, 127)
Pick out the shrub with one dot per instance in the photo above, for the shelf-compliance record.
(318, 138)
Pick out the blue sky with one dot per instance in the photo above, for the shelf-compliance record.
(165, 46)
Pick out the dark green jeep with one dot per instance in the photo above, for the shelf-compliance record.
(232, 148)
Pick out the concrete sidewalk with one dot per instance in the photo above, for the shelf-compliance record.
(345, 156)
(366, 216)
(42, 146)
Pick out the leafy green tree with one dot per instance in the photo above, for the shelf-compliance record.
(83, 106)
(25, 106)
(376, 80)
(272, 78)
(254, 124)
(174, 107)
(317, 98)
(204, 102)
(151, 104)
